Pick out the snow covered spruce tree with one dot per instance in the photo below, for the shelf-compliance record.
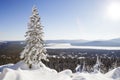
(96, 67)
(34, 50)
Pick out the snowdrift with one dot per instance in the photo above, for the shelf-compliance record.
(115, 74)
(90, 76)
(39, 74)
(20, 71)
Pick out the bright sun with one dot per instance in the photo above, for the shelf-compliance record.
(113, 10)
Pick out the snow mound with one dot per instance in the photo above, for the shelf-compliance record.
(39, 74)
(115, 74)
(24, 66)
(5, 66)
(20, 65)
(89, 76)
(20, 71)
(66, 72)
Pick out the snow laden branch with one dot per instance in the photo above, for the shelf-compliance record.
(34, 50)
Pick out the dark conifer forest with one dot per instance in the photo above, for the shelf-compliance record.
(61, 59)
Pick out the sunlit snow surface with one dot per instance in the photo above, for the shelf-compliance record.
(67, 45)
(19, 71)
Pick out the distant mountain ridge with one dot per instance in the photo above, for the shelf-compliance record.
(66, 41)
(115, 40)
(112, 42)
(99, 43)
(81, 42)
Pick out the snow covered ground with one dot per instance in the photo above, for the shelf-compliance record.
(67, 45)
(20, 71)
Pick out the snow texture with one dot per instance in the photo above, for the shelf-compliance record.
(20, 71)
(115, 73)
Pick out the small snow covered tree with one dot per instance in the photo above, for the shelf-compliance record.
(78, 68)
(83, 67)
(115, 64)
(34, 50)
(97, 65)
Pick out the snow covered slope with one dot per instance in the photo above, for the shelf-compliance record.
(43, 73)
(115, 74)
(20, 72)
(90, 76)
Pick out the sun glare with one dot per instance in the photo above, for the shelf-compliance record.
(113, 11)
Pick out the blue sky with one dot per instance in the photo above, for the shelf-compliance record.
(62, 19)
